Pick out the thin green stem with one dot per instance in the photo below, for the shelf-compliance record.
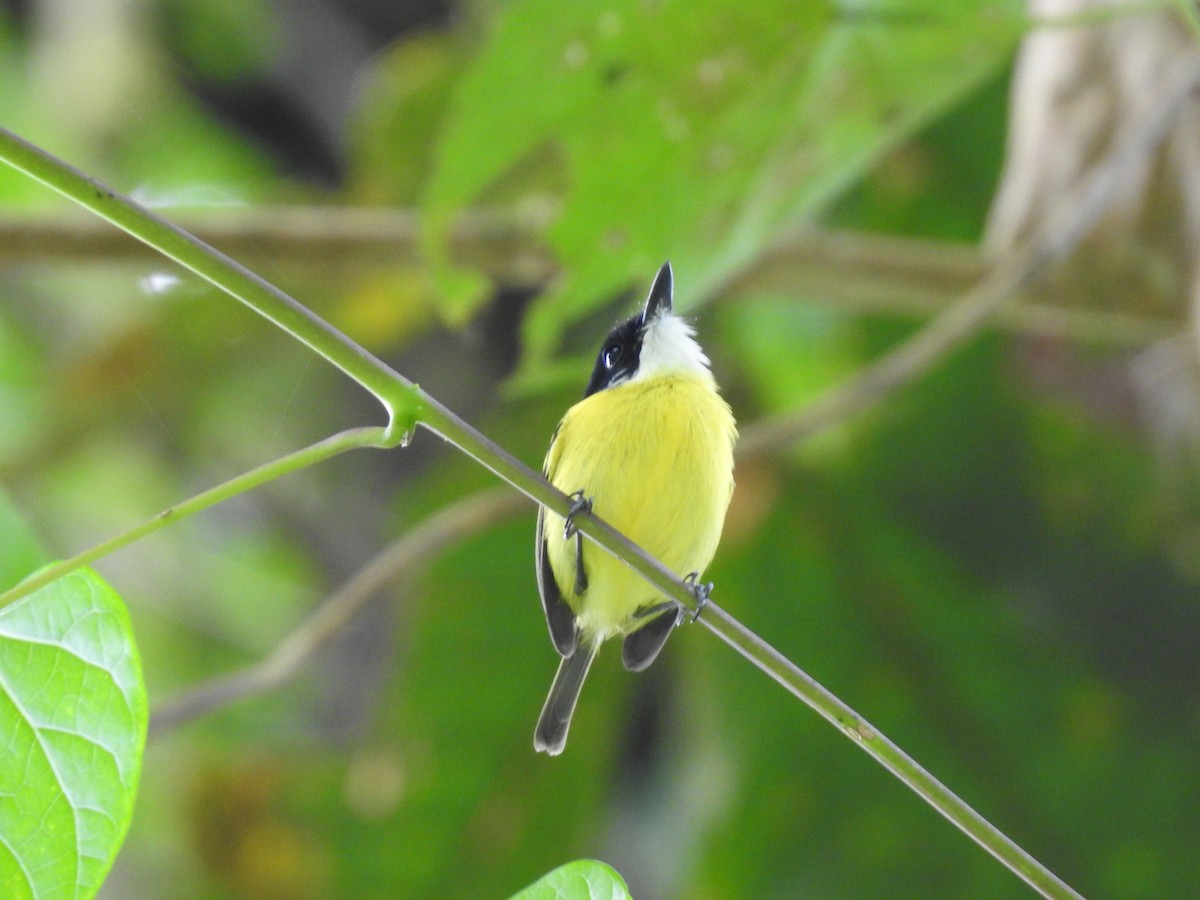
(761, 654)
(491, 455)
(310, 455)
(764, 656)
(407, 406)
(886, 753)
(406, 555)
(396, 394)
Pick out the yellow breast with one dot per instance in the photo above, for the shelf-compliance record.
(656, 459)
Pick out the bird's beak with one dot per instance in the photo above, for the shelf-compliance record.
(659, 301)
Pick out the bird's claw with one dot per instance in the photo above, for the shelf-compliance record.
(579, 504)
(701, 591)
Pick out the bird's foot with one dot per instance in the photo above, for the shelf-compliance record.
(701, 591)
(580, 504)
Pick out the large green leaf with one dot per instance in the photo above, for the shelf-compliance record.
(73, 717)
(584, 879)
(694, 132)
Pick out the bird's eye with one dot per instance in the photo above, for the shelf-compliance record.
(612, 356)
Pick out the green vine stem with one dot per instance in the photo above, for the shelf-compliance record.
(408, 406)
(886, 753)
(292, 462)
(391, 389)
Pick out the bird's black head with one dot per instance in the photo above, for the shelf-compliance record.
(622, 350)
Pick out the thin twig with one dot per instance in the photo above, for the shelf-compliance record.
(944, 333)
(449, 525)
(932, 343)
(850, 271)
(911, 359)
(354, 438)
(504, 246)
(876, 745)
(397, 395)
(1059, 236)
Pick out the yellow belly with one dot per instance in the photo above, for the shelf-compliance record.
(658, 466)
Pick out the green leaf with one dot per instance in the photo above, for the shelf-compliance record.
(395, 121)
(584, 879)
(696, 133)
(73, 715)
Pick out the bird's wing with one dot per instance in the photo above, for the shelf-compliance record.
(560, 618)
(641, 647)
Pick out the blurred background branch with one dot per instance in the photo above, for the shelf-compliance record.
(404, 558)
(855, 272)
(996, 564)
(1070, 222)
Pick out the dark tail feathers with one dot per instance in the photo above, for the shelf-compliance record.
(551, 734)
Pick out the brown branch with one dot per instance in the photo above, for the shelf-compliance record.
(447, 526)
(874, 274)
(503, 246)
(854, 272)
(1059, 235)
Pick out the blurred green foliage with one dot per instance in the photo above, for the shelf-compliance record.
(989, 567)
(719, 127)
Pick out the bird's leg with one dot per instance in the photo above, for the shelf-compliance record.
(581, 581)
(700, 591)
(580, 504)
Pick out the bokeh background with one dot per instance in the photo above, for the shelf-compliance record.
(996, 565)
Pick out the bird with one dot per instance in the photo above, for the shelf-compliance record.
(649, 449)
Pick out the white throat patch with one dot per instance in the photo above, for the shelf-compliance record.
(669, 347)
